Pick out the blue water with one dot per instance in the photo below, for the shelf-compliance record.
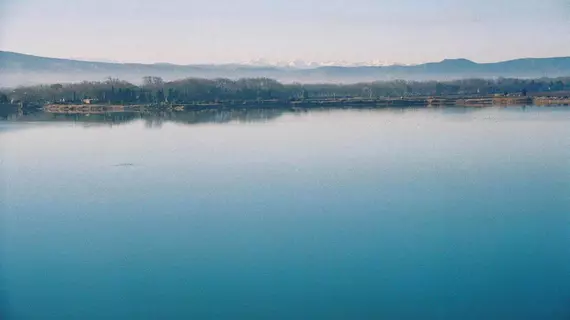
(388, 214)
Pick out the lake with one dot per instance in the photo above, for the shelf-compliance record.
(450, 213)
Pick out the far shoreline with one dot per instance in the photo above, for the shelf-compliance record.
(314, 104)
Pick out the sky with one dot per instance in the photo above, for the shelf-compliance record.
(227, 31)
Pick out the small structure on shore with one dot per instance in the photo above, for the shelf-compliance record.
(89, 101)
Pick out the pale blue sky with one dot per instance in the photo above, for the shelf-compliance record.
(202, 31)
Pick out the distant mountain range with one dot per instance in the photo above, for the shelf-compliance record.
(22, 69)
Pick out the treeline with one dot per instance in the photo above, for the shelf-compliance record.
(154, 90)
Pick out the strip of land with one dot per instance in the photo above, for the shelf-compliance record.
(315, 103)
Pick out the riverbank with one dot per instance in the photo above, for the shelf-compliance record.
(314, 103)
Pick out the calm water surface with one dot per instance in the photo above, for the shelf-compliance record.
(390, 214)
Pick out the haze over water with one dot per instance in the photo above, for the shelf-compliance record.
(392, 214)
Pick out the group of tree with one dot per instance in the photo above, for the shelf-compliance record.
(154, 90)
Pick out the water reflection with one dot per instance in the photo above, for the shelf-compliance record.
(152, 119)
(155, 119)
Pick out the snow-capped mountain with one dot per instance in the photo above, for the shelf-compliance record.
(302, 64)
